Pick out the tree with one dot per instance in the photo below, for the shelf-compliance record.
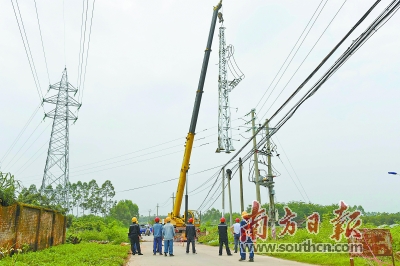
(8, 188)
(213, 215)
(85, 197)
(107, 193)
(124, 210)
(94, 201)
(30, 196)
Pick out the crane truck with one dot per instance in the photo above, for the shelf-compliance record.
(176, 219)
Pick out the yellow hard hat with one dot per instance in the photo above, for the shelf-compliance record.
(168, 219)
(134, 220)
(244, 213)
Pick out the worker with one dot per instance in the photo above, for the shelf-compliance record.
(134, 236)
(235, 229)
(168, 235)
(246, 240)
(223, 237)
(157, 233)
(190, 236)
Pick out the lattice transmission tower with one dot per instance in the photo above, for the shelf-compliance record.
(56, 171)
(226, 61)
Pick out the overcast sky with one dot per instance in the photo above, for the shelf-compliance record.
(142, 74)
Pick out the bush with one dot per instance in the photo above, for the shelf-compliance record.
(92, 227)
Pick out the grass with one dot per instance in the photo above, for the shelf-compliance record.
(69, 254)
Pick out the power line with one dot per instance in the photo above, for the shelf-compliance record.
(25, 143)
(312, 48)
(81, 44)
(154, 184)
(136, 161)
(87, 53)
(41, 38)
(33, 69)
(326, 58)
(20, 133)
(291, 112)
(291, 53)
(165, 181)
(292, 169)
(219, 172)
(22, 169)
(65, 56)
(376, 25)
(144, 149)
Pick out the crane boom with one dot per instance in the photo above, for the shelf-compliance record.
(195, 114)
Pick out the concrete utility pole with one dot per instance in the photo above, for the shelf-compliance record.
(270, 180)
(223, 191)
(157, 209)
(149, 215)
(241, 186)
(256, 172)
(229, 173)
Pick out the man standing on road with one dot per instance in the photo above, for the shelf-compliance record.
(223, 237)
(190, 236)
(157, 233)
(168, 234)
(235, 229)
(134, 235)
(246, 240)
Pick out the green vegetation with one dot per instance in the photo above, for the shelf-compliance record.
(8, 188)
(370, 220)
(69, 254)
(124, 210)
(324, 237)
(84, 234)
(93, 227)
(85, 197)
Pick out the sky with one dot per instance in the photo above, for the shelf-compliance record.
(142, 73)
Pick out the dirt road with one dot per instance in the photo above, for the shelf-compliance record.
(206, 255)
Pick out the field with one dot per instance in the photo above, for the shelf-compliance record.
(312, 258)
(68, 254)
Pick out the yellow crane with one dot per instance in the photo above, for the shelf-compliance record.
(176, 218)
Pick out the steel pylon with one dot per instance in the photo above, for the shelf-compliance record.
(224, 88)
(56, 171)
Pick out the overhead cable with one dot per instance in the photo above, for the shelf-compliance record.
(284, 153)
(302, 62)
(273, 89)
(20, 134)
(87, 53)
(41, 38)
(374, 27)
(294, 46)
(301, 86)
(30, 59)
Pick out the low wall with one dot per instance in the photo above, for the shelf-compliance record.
(38, 227)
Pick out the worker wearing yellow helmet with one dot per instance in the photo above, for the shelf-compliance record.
(134, 236)
(168, 235)
(245, 240)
